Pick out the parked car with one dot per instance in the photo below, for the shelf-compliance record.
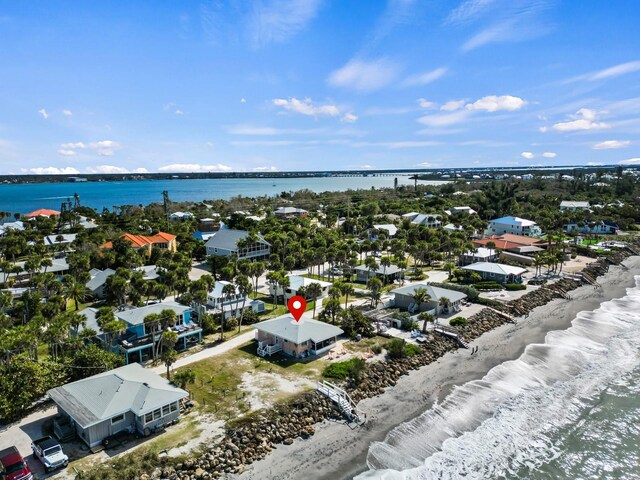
(49, 452)
(13, 466)
(376, 254)
(336, 271)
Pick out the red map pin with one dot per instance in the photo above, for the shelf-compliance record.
(297, 305)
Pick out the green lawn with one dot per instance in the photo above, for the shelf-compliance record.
(359, 286)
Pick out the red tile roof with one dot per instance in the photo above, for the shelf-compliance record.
(42, 212)
(138, 241)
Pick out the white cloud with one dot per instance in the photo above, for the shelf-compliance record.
(140, 170)
(426, 165)
(611, 72)
(252, 130)
(584, 119)
(243, 100)
(194, 168)
(397, 145)
(424, 78)
(265, 169)
(44, 113)
(452, 105)
(276, 21)
(630, 161)
(444, 119)
(73, 146)
(493, 103)
(67, 113)
(611, 144)
(51, 171)
(349, 118)
(179, 112)
(66, 153)
(527, 155)
(364, 76)
(306, 107)
(424, 103)
(106, 169)
(549, 154)
(594, 164)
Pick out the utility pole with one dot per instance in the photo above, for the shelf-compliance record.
(166, 201)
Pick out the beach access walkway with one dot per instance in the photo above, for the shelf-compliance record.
(346, 405)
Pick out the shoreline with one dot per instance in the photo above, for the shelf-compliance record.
(337, 452)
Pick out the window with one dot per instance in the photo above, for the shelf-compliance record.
(148, 417)
(117, 418)
(174, 406)
(165, 410)
(156, 414)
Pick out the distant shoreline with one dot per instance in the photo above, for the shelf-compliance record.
(424, 174)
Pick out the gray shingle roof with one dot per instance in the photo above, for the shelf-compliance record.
(135, 316)
(103, 396)
(228, 239)
(297, 332)
(98, 278)
(435, 293)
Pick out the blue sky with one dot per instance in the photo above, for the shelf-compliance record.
(260, 85)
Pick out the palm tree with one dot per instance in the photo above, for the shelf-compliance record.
(75, 290)
(346, 290)
(112, 329)
(169, 355)
(425, 317)
(229, 292)
(375, 290)
(314, 290)
(420, 296)
(385, 262)
(244, 289)
(444, 302)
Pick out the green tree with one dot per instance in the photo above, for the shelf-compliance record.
(314, 290)
(184, 377)
(375, 290)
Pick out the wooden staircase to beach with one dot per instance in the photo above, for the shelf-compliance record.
(341, 398)
(451, 332)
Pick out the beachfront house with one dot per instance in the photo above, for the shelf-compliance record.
(574, 205)
(60, 241)
(231, 305)
(386, 274)
(290, 212)
(297, 282)
(602, 227)
(130, 398)
(514, 225)
(403, 298)
(429, 220)
(238, 242)
(305, 338)
(498, 272)
(6, 226)
(42, 212)
(98, 281)
(162, 240)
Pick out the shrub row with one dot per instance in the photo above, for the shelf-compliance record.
(515, 286)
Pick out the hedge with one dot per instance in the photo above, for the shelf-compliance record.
(515, 286)
(487, 302)
(487, 286)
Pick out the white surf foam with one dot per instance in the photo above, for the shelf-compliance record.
(503, 423)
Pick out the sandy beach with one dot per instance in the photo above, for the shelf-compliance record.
(338, 452)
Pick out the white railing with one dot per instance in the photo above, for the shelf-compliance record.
(347, 406)
(268, 349)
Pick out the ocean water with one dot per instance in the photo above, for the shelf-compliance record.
(566, 409)
(25, 198)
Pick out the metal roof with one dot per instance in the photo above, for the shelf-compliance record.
(499, 268)
(130, 388)
(391, 269)
(135, 316)
(513, 221)
(228, 239)
(435, 293)
(287, 328)
(98, 278)
(298, 281)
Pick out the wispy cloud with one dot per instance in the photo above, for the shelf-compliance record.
(364, 76)
(194, 168)
(276, 21)
(444, 119)
(107, 169)
(67, 113)
(43, 113)
(397, 145)
(611, 144)
(258, 130)
(349, 118)
(424, 78)
(452, 105)
(306, 107)
(527, 155)
(611, 72)
(104, 148)
(493, 103)
(630, 161)
(500, 20)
